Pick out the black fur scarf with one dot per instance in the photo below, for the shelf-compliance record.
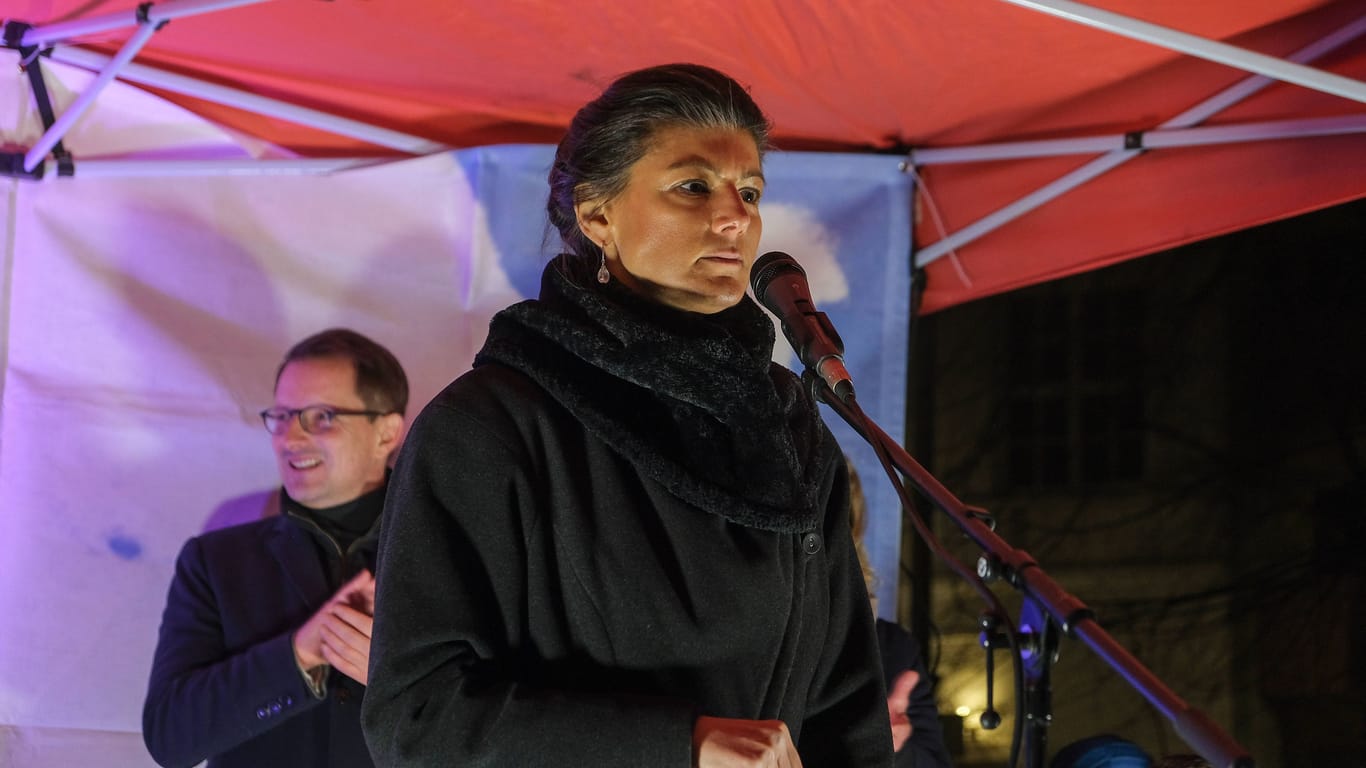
(692, 400)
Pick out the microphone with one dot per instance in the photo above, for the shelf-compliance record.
(779, 283)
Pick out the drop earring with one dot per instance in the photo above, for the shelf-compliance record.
(604, 276)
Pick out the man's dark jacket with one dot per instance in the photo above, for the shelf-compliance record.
(224, 683)
(900, 653)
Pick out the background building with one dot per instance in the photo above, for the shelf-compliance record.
(1180, 442)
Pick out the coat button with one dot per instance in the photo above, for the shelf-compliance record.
(288, 700)
(343, 695)
(811, 543)
(262, 713)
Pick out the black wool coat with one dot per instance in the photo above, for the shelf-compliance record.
(546, 599)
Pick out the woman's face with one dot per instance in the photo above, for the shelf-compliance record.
(685, 229)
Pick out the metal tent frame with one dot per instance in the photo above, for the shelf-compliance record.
(52, 41)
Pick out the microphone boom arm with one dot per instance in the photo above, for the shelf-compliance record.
(1021, 571)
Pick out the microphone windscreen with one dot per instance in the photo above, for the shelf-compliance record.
(769, 266)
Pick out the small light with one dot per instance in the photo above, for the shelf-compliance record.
(963, 711)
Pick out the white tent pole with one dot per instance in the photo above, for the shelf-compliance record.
(999, 218)
(1244, 88)
(1195, 45)
(1272, 129)
(262, 105)
(1157, 139)
(1226, 98)
(154, 13)
(128, 167)
(1015, 150)
(132, 167)
(73, 113)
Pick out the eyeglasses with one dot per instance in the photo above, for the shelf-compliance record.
(315, 419)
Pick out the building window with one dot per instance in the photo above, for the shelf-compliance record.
(1075, 394)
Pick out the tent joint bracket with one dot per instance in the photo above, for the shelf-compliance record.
(14, 33)
(12, 166)
(29, 64)
(1133, 140)
(144, 15)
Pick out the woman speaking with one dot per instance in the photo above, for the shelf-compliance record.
(622, 539)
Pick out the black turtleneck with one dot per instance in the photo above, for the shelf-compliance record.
(345, 533)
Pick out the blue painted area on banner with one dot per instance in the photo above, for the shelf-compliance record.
(509, 182)
(845, 217)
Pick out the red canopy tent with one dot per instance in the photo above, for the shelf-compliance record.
(1043, 146)
(358, 78)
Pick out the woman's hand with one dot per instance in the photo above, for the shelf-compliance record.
(723, 742)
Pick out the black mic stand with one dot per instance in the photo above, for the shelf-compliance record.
(1046, 599)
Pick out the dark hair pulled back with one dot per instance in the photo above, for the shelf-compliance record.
(609, 134)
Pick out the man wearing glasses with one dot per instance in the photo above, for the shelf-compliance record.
(265, 640)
